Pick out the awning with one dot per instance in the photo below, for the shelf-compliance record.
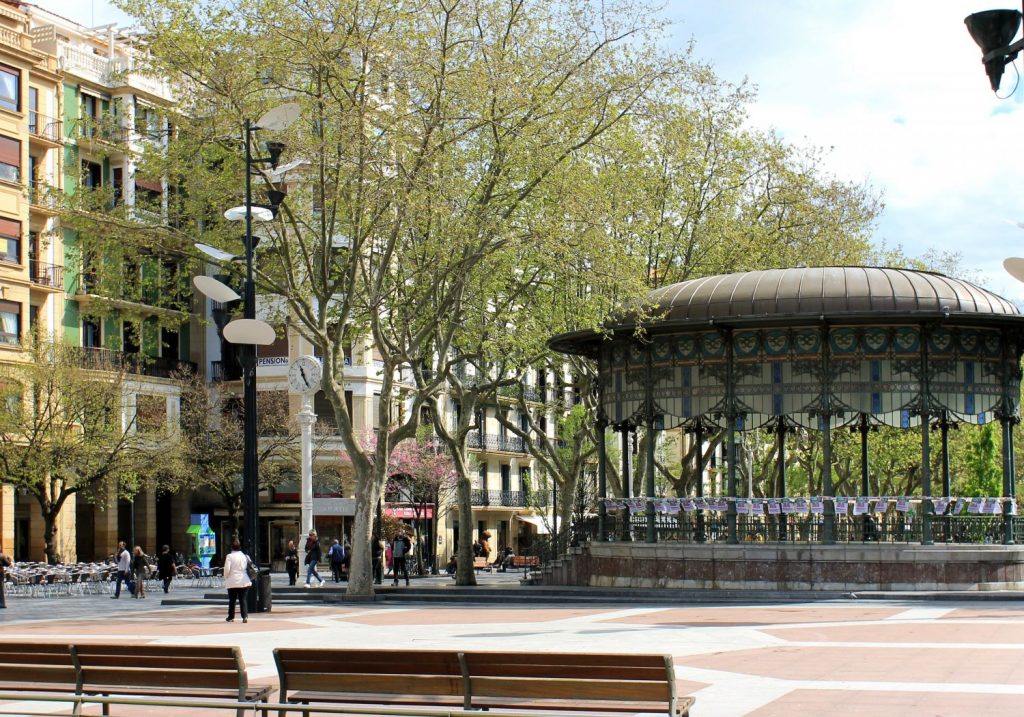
(408, 512)
(537, 522)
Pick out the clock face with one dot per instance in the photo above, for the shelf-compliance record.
(304, 375)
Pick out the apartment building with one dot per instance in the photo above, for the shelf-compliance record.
(32, 280)
(80, 114)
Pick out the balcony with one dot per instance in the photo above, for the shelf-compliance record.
(43, 197)
(49, 275)
(45, 129)
(221, 371)
(509, 498)
(101, 359)
(495, 442)
(104, 130)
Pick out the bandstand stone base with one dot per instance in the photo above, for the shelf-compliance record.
(859, 567)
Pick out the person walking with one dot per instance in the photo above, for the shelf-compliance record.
(377, 557)
(336, 556)
(291, 562)
(399, 551)
(139, 570)
(237, 581)
(313, 555)
(124, 569)
(5, 562)
(165, 567)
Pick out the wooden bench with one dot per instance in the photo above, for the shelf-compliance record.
(202, 671)
(525, 562)
(36, 667)
(481, 564)
(369, 677)
(524, 681)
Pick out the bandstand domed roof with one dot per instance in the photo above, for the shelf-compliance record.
(828, 291)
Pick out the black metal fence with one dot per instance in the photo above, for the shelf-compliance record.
(889, 527)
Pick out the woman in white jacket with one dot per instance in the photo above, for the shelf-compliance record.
(236, 580)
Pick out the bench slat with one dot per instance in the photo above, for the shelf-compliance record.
(158, 678)
(15, 674)
(568, 689)
(581, 659)
(594, 672)
(363, 682)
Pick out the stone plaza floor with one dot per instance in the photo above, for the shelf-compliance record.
(840, 657)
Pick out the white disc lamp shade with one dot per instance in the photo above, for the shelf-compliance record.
(280, 117)
(250, 331)
(215, 253)
(1015, 267)
(259, 214)
(214, 289)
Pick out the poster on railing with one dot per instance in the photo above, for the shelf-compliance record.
(773, 507)
(939, 505)
(817, 506)
(787, 506)
(840, 503)
(975, 506)
(801, 505)
(961, 503)
(903, 504)
(1013, 506)
(742, 506)
(881, 504)
(860, 506)
(991, 506)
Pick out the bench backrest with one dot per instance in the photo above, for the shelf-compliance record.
(423, 672)
(557, 676)
(568, 676)
(160, 666)
(29, 662)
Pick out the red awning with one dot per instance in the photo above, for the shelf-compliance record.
(407, 512)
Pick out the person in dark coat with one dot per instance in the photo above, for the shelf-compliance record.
(165, 567)
(313, 555)
(291, 562)
(377, 554)
(5, 562)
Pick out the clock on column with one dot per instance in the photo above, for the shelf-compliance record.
(304, 374)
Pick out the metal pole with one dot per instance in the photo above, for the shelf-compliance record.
(1008, 487)
(944, 433)
(865, 487)
(250, 467)
(782, 517)
(829, 523)
(730, 419)
(652, 531)
(627, 528)
(307, 419)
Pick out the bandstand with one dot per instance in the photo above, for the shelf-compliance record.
(820, 349)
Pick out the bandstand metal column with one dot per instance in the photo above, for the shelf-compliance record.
(926, 429)
(864, 427)
(944, 425)
(649, 420)
(730, 421)
(825, 422)
(781, 430)
(698, 454)
(1007, 419)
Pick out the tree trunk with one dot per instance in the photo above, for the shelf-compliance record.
(49, 530)
(360, 579)
(465, 574)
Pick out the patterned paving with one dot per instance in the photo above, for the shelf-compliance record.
(837, 658)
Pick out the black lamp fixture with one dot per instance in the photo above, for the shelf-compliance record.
(993, 30)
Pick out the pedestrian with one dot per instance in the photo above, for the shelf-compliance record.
(165, 567)
(139, 570)
(377, 555)
(313, 555)
(291, 562)
(336, 556)
(400, 547)
(346, 567)
(124, 570)
(485, 544)
(5, 562)
(237, 580)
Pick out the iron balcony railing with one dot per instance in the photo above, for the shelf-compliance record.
(44, 274)
(41, 194)
(103, 359)
(511, 498)
(495, 442)
(105, 128)
(48, 128)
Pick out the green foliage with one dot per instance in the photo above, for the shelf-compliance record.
(981, 473)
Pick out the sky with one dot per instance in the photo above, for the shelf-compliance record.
(894, 90)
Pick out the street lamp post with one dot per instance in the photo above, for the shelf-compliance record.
(248, 332)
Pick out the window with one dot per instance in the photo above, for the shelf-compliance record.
(506, 477)
(10, 323)
(483, 476)
(10, 88)
(33, 110)
(10, 240)
(150, 412)
(10, 159)
(91, 335)
(92, 175)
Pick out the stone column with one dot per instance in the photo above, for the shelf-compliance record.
(7, 519)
